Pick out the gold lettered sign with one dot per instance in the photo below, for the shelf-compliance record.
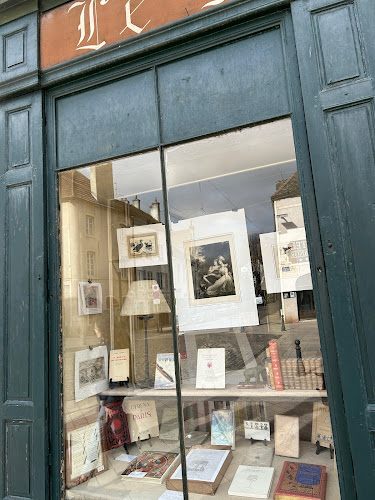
(84, 26)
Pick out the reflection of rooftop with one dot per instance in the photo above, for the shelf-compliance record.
(288, 188)
(75, 185)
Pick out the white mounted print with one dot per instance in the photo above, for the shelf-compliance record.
(142, 246)
(212, 271)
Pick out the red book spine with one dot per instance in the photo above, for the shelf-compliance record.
(276, 368)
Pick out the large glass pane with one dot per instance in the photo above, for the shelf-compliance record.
(121, 434)
(251, 364)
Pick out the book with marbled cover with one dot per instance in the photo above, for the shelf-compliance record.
(300, 481)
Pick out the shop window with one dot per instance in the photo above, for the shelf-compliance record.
(253, 402)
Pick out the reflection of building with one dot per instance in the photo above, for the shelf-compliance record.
(90, 217)
(291, 255)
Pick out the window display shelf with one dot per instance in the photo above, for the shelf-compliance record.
(115, 488)
(231, 392)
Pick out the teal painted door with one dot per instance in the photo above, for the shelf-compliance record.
(23, 352)
(336, 53)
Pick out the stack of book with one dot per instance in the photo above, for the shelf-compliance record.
(293, 373)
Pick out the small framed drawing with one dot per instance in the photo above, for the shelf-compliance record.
(91, 372)
(142, 246)
(84, 453)
(214, 285)
(90, 298)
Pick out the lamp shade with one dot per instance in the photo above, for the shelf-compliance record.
(144, 298)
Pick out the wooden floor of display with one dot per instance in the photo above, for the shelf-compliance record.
(109, 486)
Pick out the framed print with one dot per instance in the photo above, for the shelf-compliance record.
(285, 261)
(212, 270)
(142, 246)
(84, 453)
(90, 299)
(91, 372)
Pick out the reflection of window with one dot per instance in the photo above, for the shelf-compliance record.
(91, 264)
(90, 225)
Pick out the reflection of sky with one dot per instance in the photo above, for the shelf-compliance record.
(251, 190)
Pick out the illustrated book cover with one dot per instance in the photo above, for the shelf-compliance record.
(115, 428)
(211, 368)
(252, 482)
(164, 371)
(299, 481)
(222, 428)
(150, 465)
(287, 436)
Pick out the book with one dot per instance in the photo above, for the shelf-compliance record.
(287, 436)
(259, 431)
(289, 373)
(164, 371)
(142, 419)
(321, 425)
(299, 481)
(308, 371)
(211, 368)
(272, 378)
(115, 429)
(152, 466)
(119, 365)
(284, 374)
(206, 466)
(296, 377)
(222, 428)
(319, 372)
(252, 482)
(276, 368)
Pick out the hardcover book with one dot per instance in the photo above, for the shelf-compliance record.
(276, 367)
(252, 482)
(164, 372)
(222, 428)
(150, 465)
(300, 481)
(142, 419)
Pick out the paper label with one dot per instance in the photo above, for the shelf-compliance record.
(137, 474)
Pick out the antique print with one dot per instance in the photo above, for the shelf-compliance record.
(91, 372)
(214, 284)
(143, 245)
(287, 436)
(84, 451)
(212, 271)
(89, 298)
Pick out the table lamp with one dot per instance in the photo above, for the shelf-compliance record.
(145, 299)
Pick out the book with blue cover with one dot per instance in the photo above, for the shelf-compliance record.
(222, 428)
(164, 371)
(299, 481)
